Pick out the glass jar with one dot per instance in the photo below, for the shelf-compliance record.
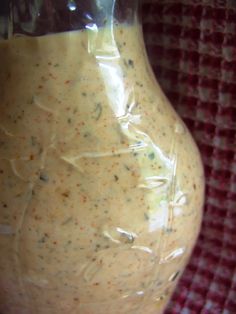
(101, 184)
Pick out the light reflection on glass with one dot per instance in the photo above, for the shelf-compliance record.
(72, 5)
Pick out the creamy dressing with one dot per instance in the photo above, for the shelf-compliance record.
(101, 184)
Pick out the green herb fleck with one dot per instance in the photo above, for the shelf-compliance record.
(146, 216)
(104, 21)
(139, 143)
(44, 177)
(42, 240)
(87, 134)
(116, 177)
(174, 276)
(127, 168)
(169, 230)
(98, 246)
(33, 141)
(131, 63)
(98, 111)
(151, 156)
(68, 220)
(139, 84)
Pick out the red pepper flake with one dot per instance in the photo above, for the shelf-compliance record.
(37, 217)
(84, 199)
(31, 157)
(52, 76)
(67, 82)
(66, 194)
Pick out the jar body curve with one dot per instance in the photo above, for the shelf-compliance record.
(101, 183)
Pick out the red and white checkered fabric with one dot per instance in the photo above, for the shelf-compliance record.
(192, 47)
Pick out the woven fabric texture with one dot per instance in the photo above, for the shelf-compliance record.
(192, 47)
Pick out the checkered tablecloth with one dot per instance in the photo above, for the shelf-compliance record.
(192, 47)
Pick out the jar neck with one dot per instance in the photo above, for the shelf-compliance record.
(41, 17)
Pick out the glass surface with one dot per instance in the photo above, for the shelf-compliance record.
(101, 184)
